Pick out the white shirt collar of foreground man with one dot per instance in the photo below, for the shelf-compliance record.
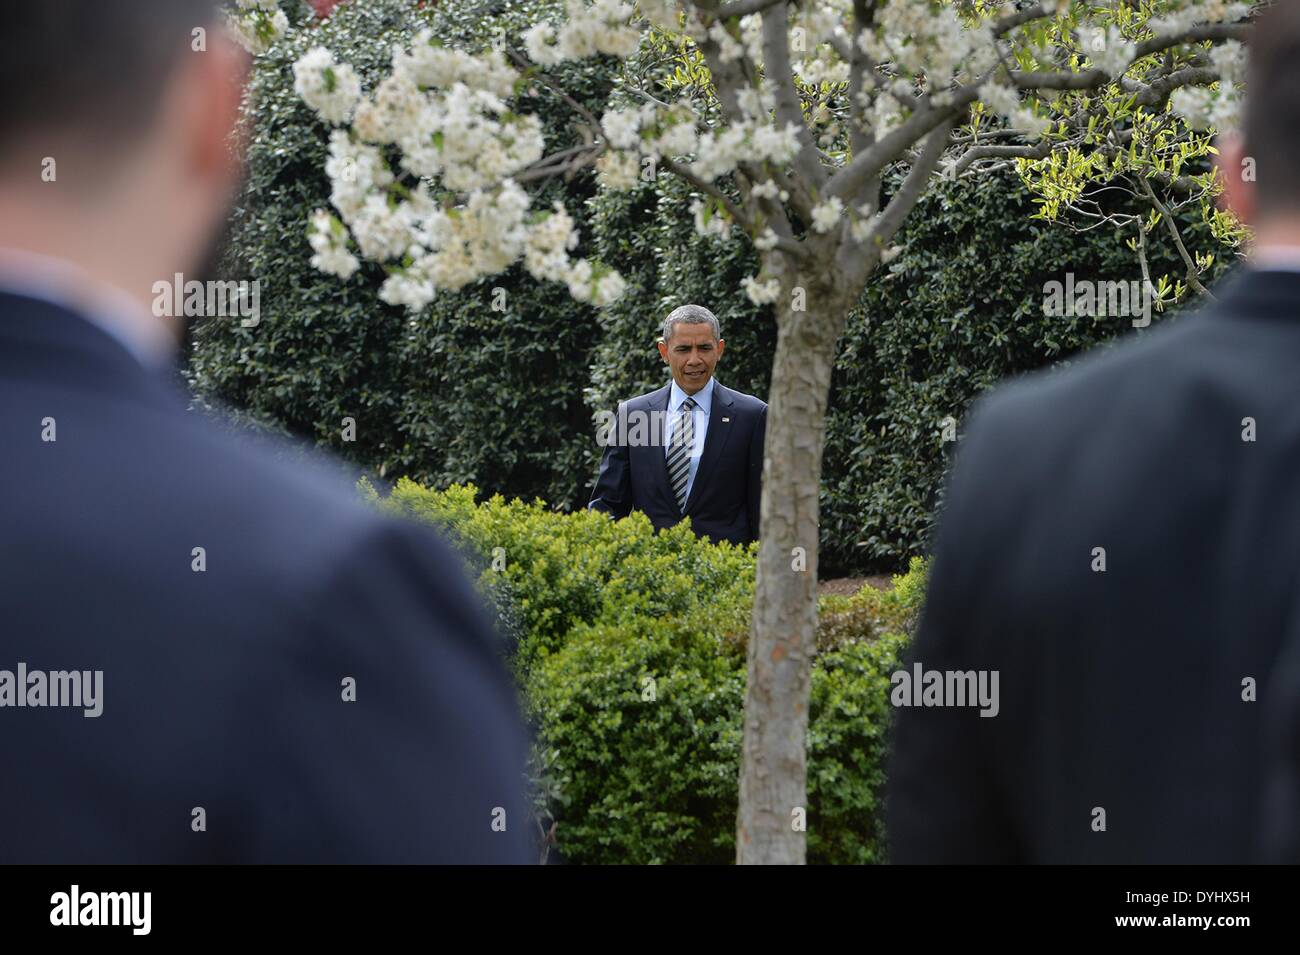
(65, 284)
(1275, 258)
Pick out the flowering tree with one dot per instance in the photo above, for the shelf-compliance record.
(814, 127)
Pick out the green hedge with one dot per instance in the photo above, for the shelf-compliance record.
(603, 607)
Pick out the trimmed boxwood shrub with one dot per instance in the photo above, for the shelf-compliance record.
(631, 659)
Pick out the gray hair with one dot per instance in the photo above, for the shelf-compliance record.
(690, 315)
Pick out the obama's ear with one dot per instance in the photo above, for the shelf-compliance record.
(663, 349)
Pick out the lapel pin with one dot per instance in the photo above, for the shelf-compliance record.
(726, 420)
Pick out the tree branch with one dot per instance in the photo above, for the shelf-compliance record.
(1019, 18)
(784, 243)
(1088, 79)
(1037, 151)
(884, 150)
(566, 162)
(1192, 280)
(1157, 92)
(735, 8)
(776, 65)
(558, 90)
(888, 221)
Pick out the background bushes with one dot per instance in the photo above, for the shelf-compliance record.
(504, 399)
(631, 658)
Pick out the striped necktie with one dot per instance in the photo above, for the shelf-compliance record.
(679, 452)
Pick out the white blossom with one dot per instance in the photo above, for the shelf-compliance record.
(660, 13)
(257, 24)
(331, 89)
(1204, 108)
(548, 244)
(617, 170)
(1193, 104)
(539, 41)
(673, 133)
(1107, 49)
(328, 240)
(918, 41)
(826, 215)
(609, 288)
(384, 228)
(355, 171)
(1229, 60)
(709, 221)
(623, 126)
(579, 279)
(587, 30)
(755, 103)
(761, 293)
(729, 48)
(408, 287)
(430, 65)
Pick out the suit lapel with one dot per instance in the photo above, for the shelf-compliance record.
(714, 441)
(659, 403)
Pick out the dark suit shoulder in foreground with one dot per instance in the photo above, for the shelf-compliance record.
(1174, 461)
(223, 689)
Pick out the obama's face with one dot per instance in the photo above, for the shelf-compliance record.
(692, 353)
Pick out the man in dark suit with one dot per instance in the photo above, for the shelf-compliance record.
(1119, 544)
(691, 449)
(207, 654)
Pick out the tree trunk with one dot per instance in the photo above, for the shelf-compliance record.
(773, 789)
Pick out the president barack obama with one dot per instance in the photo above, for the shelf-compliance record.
(706, 461)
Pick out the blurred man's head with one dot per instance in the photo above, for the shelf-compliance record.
(691, 345)
(1259, 168)
(115, 123)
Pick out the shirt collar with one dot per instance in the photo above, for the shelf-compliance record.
(703, 398)
(1275, 258)
(107, 307)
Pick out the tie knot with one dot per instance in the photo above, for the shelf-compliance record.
(688, 403)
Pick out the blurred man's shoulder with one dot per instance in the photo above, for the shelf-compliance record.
(284, 507)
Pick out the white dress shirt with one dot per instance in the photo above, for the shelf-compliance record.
(68, 286)
(699, 415)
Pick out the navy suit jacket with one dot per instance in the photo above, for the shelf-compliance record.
(223, 689)
(1164, 689)
(724, 500)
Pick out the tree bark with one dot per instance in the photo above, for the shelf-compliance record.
(773, 791)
